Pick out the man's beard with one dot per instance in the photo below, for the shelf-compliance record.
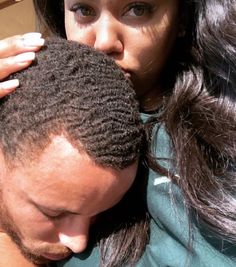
(11, 230)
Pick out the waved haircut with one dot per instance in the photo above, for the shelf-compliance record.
(72, 89)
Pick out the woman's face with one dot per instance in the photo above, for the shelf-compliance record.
(137, 34)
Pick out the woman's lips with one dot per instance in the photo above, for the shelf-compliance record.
(127, 74)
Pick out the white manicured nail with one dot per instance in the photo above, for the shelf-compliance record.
(32, 35)
(33, 41)
(11, 84)
(25, 57)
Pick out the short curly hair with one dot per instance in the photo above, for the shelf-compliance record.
(74, 90)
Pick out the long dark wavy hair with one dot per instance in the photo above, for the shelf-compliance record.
(199, 113)
(199, 109)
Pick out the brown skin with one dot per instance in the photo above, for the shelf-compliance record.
(57, 195)
(138, 35)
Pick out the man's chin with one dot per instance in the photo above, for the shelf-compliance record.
(36, 259)
(55, 257)
(44, 257)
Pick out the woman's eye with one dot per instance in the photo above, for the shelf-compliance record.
(138, 10)
(83, 13)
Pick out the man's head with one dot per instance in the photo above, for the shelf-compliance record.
(70, 140)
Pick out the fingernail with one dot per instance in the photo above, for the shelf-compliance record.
(33, 41)
(32, 35)
(11, 84)
(24, 57)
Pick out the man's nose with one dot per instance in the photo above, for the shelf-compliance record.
(76, 243)
(108, 36)
(74, 233)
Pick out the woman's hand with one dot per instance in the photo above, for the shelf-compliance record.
(16, 53)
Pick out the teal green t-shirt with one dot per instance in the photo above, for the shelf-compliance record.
(169, 244)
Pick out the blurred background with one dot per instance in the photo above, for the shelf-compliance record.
(16, 17)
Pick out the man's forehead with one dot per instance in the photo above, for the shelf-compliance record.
(61, 145)
(57, 147)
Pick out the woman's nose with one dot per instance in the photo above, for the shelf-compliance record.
(108, 36)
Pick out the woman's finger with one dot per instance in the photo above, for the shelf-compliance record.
(8, 86)
(16, 53)
(20, 43)
(12, 64)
